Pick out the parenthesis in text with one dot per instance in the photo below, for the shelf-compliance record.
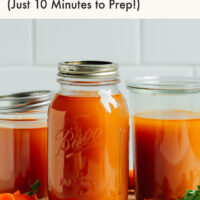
(9, 5)
(138, 5)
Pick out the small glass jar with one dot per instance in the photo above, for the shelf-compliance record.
(23, 141)
(88, 132)
(165, 116)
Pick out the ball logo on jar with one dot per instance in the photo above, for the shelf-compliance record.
(76, 140)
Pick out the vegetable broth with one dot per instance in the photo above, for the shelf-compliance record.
(167, 154)
(88, 148)
(23, 155)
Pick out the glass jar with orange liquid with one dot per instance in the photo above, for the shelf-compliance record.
(165, 116)
(88, 132)
(23, 141)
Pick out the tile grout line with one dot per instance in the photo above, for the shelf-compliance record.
(31, 43)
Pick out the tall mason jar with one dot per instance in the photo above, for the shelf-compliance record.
(23, 141)
(165, 116)
(88, 133)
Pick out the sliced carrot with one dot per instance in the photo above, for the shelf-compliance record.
(6, 196)
(34, 197)
(22, 197)
(17, 192)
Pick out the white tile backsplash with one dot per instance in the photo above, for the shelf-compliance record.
(59, 40)
(15, 42)
(171, 41)
(134, 42)
(129, 42)
(197, 71)
(18, 79)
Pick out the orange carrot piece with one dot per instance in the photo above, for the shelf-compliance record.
(34, 197)
(22, 197)
(17, 192)
(6, 196)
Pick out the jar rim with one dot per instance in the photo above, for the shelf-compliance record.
(173, 84)
(88, 69)
(25, 101)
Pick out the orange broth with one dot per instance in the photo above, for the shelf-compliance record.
(167, 154)
(23, 158)
(88, 149)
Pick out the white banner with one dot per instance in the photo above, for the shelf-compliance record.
(99, 8)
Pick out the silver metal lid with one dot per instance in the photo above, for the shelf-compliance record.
(165, 84)
(27, 101)
(88, 69)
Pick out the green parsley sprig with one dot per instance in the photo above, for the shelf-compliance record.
(192, 194)
(34, 188)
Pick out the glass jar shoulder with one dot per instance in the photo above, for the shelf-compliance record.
(107, 99)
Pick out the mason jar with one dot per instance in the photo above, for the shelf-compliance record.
(165, 115)
(23, 141)
(88, 133)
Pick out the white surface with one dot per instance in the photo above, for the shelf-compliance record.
(59, 40)
(171, 41)
(15, 42)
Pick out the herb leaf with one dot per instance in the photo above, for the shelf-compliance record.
(192, 194)
(34, 188)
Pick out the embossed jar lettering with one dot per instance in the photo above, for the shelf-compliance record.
(72, 144)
